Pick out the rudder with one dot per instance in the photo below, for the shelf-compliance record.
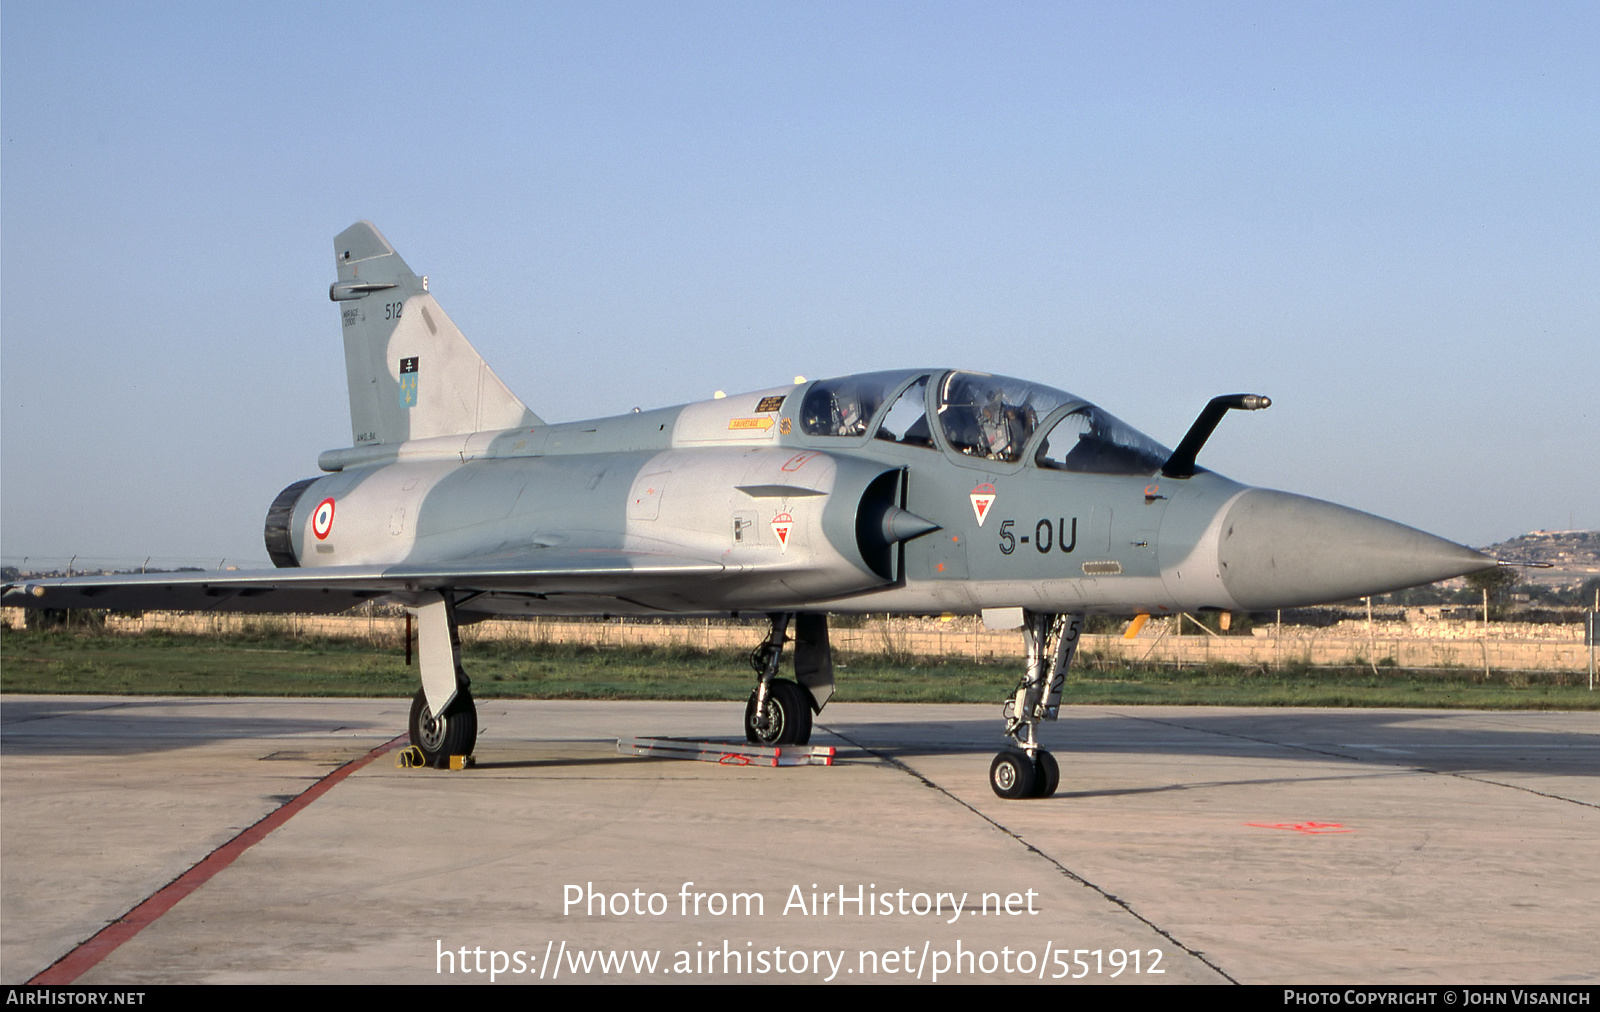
(412, 373)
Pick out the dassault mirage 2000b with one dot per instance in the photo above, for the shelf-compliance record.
(920, 491)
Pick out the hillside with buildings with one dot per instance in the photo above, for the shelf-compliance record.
(1573, 550)
(1573, 558)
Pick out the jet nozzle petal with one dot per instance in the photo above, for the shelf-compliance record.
(1279, 550)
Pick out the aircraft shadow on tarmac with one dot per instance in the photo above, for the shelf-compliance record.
(80, 726)
(567, 762)
(1202, 785)
(1432, 740)
(1371, 737)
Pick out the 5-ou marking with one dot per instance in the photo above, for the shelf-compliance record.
(322, 519)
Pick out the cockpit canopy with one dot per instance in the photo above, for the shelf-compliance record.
(982, 417)
(845, 406)
(991, 416)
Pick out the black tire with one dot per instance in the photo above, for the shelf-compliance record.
(788, 715)
(453, 734)
(1047, 774)
(1012, 775)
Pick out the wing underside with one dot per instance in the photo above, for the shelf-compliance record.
(590, 574)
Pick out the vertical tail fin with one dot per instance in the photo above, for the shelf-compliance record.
(411, 372)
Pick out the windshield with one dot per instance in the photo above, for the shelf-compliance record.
(1092, 441)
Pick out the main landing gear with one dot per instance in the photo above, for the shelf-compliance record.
(779, 711)
(1027, 770)
(444, 719)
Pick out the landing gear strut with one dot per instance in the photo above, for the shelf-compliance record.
(1028, 770)
(444, 720)
(779, 711)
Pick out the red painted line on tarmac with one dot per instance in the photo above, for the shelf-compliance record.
(82, 959)
(1309, 828)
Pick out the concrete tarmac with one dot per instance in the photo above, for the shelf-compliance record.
(1193, 845)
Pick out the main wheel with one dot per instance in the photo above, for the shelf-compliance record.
(454, 733)
(1012, 775)
(1048, 773)
(788, 716)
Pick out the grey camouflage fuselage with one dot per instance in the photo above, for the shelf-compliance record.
(778, 495)
(919, 491)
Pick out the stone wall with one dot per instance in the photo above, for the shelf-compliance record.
(1506, 646)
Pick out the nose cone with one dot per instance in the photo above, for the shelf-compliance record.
(1279, 550)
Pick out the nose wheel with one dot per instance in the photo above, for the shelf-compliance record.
(1014, 775)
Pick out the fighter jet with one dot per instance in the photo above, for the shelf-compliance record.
(918, 491)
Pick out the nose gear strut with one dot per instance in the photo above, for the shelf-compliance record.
(779, 711)
(1028, 770)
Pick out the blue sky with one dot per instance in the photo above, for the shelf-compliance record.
(1384, 216)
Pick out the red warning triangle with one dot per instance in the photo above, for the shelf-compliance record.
(782, 524)
(982, 498)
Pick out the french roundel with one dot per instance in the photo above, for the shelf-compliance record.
(322, 519)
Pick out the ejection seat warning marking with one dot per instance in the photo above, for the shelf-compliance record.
(322, 519)
(770, 403)
(982, 498)
(1308, 828)
(645, 503)
(797, 461)
(408, 382)
(782, 524)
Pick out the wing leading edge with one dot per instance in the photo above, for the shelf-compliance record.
(331, 589)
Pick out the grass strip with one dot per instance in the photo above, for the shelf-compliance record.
(164, 663)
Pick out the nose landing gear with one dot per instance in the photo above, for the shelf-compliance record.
(1027, 770)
